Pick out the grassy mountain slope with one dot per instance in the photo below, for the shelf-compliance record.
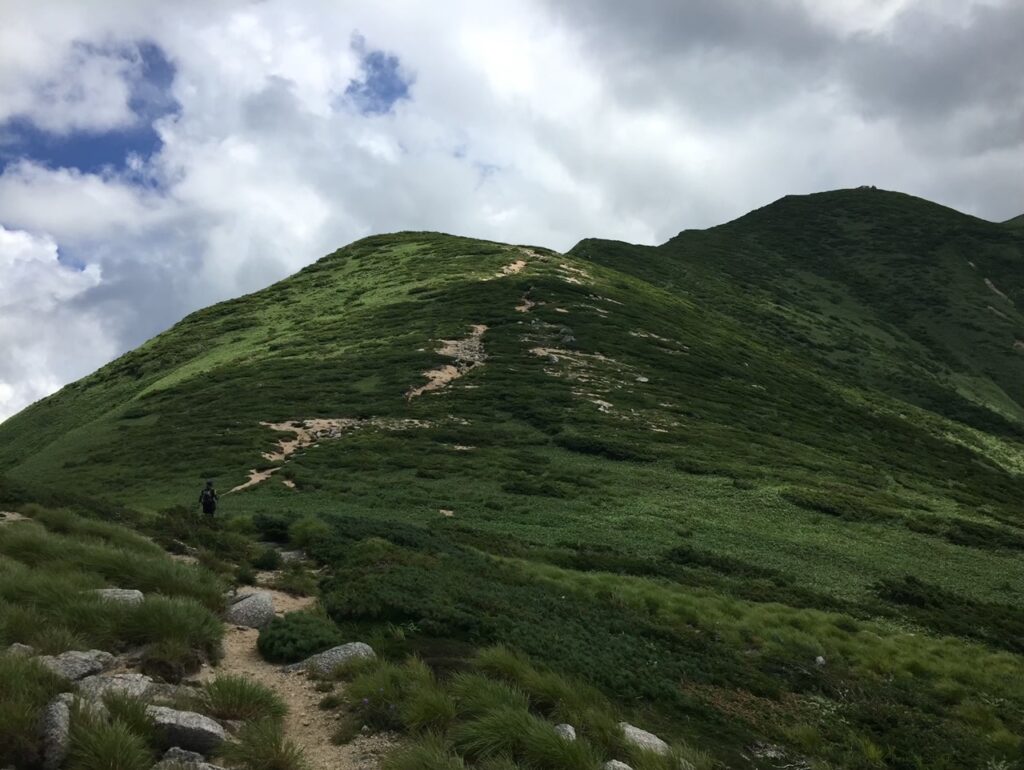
(788, 436)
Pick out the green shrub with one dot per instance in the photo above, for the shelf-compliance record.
(238, 698)
(296, 636)
(25, 689)
(428, 708)
(267, 559)
(261, 745)
(476, 694)
(307, 531)
(132, 713)
(98, 745)
(377, 695)
(161, 620)
(429, 753)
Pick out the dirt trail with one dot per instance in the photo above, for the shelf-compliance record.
(6, 517)
(306, 724)
(468, 354)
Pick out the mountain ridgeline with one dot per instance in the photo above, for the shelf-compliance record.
(761, 483)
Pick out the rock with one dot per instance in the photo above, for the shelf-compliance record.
(187, 729)
(642, 739)
(22, 650)
(614, 764)
(252, 610)
(290, 557)
(133, 685)
(819, 661)
(123, 595)
(566, 731)
(75, 664)
(177, 757)
(641, 378)
(158, 691)
(54, 729)
(325, 662)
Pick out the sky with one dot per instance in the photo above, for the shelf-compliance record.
(156, 157)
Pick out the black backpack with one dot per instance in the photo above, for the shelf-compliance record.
(208, 498)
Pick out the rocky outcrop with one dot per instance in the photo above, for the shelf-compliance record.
(186, 729)
(642, 739)
(566, 731)
(133, 685)
(178, 759)
(124, 595)
(252, 610)
(324, 663)
(76, 664)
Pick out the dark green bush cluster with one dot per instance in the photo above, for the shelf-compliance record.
(296, 636)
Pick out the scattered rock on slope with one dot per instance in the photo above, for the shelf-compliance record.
(75, 664)
(178, 759)
(124, 595)
(566, 731)
(642, 739)
(325, 662)
(187, 729)
(54, 729)
(614, 764)
(252, 610)
(23, 650)
(133, 685)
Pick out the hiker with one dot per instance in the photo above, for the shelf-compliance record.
(208, 499)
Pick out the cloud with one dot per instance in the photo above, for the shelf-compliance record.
(270, 133)
(43, 336)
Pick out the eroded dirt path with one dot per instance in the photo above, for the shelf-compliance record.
(468, 353)
(306, 724)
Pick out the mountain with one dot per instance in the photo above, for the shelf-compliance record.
(795, 436)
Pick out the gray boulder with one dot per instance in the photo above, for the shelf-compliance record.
(566, 731)
(75, 664)
(642, 739)
(325, 662)
(187, 729)
(124, 595)
(176, 758)
(252, 610)
(133, 685)
(614, 764)
(24, 650)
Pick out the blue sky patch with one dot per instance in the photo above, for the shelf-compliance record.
(91, 151)
(382, 83)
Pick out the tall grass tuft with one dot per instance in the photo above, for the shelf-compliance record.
(261, 745)
(25, 689)
(95, 744)
(237, 698)
(429, 753)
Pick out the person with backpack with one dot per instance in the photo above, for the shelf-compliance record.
(208, 499)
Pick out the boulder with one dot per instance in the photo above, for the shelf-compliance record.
(23, 650)
(133, 685)
(252, 610)
(642, 739)
(176, 758)
(76, 664)
(186, 729)
(614, 764)
(291, 557)
(123, 595)
(566, 731)
(325, 662)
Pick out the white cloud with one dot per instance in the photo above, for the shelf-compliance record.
(538, 121)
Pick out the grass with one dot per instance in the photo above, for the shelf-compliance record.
(262, 745)
(25, 689)
(237, 698)
(95, 744)
(814, 447)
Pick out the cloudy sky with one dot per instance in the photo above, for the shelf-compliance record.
(159, 156)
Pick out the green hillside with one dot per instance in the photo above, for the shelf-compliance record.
(682, 473)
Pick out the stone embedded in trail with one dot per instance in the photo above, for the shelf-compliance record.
(252, 610)
(187, 729)
(132, 685)
(566, 731)
(176, 758)
(124, 595)
(642, 739)
(325, 662)
(75, 664)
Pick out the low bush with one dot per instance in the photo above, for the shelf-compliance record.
(25, 689)
(307, 531)
(163, 620)
(267, 559)
(296, 636)
(377, 695)
(262, 745)
(238, 698)
(430, 752)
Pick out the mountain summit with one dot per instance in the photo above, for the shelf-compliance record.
(810, 417)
